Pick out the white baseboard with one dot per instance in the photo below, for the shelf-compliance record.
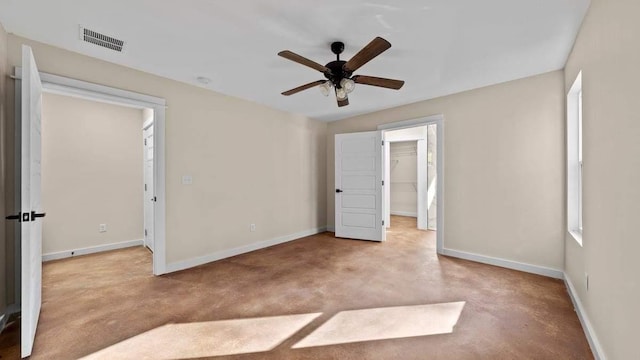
(219, 255)
(405, 213)
(509, 264)
(91, 250)
(596, 348)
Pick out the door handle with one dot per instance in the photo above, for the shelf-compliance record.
(35, 215)
(13, 217)
(338, 191)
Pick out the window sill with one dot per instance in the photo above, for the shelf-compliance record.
(577, 236)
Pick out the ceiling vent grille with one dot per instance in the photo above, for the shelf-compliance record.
(99, 39)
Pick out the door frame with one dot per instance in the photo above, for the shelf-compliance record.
(438, 120)
(61, 85)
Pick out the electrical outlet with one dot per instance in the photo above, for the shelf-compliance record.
(252, 227)
(102, 228)
(187, 180)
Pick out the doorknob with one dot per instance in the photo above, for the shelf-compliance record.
(35, 215)
(13, 217)
(338, 191)
(21, 217)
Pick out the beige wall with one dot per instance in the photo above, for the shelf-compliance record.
(91, 173)
(249, 163)
(4, 71)
(608, 54)
(503, 169)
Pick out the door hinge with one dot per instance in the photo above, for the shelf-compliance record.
(382, 182)
(145, 187)
(382, 222)
(382, 142)
(145, 141)
(145, 232)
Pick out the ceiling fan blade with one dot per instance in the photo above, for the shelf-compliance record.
(304, 61)
(376, 47)
(376, 81)
(344, 102)
(303, 87)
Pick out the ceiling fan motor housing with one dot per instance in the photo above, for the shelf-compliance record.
(337, 72)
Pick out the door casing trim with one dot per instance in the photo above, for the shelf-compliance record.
(81, 89)
(438, 120)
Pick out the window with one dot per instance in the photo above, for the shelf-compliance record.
(574, 160)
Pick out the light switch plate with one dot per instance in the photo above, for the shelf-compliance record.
(187, 180)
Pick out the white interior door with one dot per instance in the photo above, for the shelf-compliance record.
(359, 195)
(31, 224)
(148, 186)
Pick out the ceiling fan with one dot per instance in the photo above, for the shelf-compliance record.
(339, 73)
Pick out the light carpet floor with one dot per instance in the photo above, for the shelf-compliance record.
(315, 298)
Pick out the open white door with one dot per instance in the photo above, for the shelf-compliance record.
(148, 187)
(31, 222)
(359, 195)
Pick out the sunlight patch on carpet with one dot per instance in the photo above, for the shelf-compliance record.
(205, 339)
(385, 323)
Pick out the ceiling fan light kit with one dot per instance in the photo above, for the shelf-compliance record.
(325, 88)
(341, 94)
(339, 73)
(348, 85)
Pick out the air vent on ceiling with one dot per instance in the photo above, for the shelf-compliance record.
(99, 39)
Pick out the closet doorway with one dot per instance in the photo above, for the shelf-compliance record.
(413, 162)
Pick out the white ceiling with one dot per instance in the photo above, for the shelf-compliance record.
(439, 47)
